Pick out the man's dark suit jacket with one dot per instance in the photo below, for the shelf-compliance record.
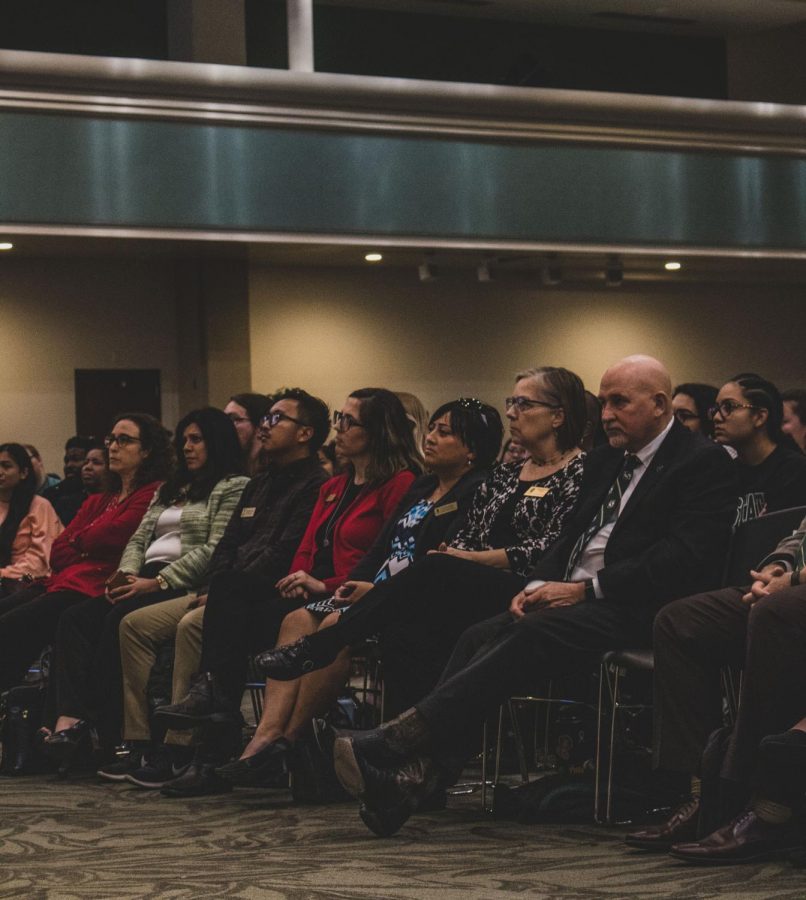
(672, 537)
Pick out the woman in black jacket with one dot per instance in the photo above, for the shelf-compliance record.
(462, 442)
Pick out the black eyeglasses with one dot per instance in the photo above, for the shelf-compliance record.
(524, 403)
(122, 440)
(727, 407)
(685, 415)
(344, 422)
(276, 417)
(235, 418)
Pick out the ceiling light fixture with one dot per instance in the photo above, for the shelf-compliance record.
(427, 271)
(483, 272)
(614, 272)
(6, 245)
(373, 257)
(672, 266)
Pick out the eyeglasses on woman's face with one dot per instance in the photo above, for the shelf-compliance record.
(522, 404)
(344, 422)
(684, 416)
(726, 408)
(122, 440)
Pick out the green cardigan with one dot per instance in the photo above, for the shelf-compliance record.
(201, 525)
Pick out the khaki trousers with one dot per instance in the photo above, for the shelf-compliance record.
(141, 633)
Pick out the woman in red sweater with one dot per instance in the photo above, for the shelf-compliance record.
(87, 552)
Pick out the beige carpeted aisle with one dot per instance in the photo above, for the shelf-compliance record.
(81, 838)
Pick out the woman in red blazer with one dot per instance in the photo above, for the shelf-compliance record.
(87, 552)
(376, 439)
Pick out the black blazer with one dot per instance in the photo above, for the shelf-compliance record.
(437, 527)
(671, 539)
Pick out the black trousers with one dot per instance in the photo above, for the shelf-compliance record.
(86, 680)
(243, 615)
(503, 656)
(694, 638)
(419, 615)
(28, 622)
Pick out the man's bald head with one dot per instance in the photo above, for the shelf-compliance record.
(636, 397)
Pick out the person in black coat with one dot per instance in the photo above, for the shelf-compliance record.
(653, 521)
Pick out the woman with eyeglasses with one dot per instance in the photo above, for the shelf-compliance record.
(747, 417)
(246, 412)
(516, 514)
(690, 404)
(87, 552)
(167, 555)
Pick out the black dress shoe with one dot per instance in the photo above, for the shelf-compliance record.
(293, 660)
(264, 768)
(200, 780)
(680, 826)
(745, 839)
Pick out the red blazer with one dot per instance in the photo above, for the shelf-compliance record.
(358, 525)
(88, 551)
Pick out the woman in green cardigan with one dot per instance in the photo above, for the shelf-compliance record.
(166, 557)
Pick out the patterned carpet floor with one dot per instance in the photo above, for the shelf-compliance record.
(81, 838)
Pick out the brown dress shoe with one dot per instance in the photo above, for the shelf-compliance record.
(679, 827)
(745, 839)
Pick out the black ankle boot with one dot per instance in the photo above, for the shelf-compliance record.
(295, 660)
(206, 701)
(393, 743)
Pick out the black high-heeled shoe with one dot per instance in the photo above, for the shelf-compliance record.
(65, 746)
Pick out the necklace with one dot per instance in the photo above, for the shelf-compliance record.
(551, 460)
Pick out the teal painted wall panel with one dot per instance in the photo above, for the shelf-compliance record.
(57, 169)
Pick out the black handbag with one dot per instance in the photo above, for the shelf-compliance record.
(20, 717)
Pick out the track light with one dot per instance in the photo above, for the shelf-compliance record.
(614, 273)
(551, 275)
(483, 272)
(427, 271)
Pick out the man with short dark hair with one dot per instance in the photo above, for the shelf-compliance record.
(254, 552)
(653, 519)
(67, 496)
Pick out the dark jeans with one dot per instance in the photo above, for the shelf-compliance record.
(243, 615)
(694, 638)
(86, 679)
(504, 656)
(419, 615)
(28, 622)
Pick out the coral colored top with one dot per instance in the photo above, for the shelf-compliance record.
(88, 551)
(30, 552)
(357, 527)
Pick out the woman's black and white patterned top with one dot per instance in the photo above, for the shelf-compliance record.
(533, 523)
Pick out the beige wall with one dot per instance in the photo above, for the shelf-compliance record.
(334, 330)
(60, 315)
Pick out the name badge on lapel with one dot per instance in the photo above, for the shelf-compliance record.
(537, 490)
(446, 508)
(248, 512)
(330, 498)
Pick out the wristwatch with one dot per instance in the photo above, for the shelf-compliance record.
(164, 586)
(795, 578)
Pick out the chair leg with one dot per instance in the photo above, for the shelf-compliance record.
(616, 679)
(519, 748)
(599, 729)
(484, 762)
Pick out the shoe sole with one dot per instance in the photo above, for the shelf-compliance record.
(117, 778)
(648, 847)
(347, 769)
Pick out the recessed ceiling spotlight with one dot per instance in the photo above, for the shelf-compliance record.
(6, 245)
(672, 266)
(373, 257)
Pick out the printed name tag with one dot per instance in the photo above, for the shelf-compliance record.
(248, 512)
(537, 491)
(330, 498)
(446, 508)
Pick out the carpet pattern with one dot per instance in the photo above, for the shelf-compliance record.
(83, 839)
